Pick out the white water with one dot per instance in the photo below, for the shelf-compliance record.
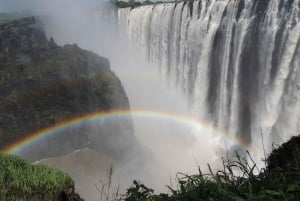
(236, 61)
(170, 146)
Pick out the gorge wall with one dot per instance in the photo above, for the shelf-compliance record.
(43, 84)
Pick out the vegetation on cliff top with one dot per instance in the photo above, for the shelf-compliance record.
(280, 181)
(9, 17)
(22, 181)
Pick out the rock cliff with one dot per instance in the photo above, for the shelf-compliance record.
(43, 84)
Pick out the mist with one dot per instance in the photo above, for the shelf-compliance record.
(166, 145)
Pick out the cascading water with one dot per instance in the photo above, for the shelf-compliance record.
(236, 61)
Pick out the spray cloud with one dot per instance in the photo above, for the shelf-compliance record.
(168, 147)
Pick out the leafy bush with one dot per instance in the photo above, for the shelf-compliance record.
(286, 156)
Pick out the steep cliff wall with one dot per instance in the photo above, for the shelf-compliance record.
(43, 84)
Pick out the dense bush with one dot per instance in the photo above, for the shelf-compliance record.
(286, 156)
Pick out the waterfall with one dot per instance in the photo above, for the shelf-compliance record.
(237, 62)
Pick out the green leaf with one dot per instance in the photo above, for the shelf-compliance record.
(273, 193)
(293, 188)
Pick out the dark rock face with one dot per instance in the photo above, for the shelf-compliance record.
(68, 193)
(43, 84)
(286, 156)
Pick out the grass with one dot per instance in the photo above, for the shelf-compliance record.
(237, 181)
(20, 180)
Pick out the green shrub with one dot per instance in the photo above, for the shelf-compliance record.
(20, 180)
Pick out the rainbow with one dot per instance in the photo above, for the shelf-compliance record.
(26, 142)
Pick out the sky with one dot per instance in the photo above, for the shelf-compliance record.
(25, 5)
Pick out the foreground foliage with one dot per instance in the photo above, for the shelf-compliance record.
(22, 181)
(236, 182)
